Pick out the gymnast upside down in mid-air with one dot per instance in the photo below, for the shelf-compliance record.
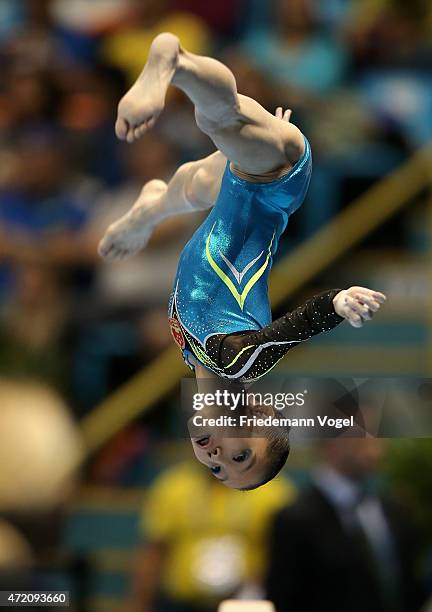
(219, 311)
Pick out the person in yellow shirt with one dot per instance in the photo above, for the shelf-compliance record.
(128, 47)
(202, 542)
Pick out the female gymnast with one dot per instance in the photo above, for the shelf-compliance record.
(219, 311)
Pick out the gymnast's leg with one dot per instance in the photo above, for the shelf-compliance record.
(254, 140)
(195, 186)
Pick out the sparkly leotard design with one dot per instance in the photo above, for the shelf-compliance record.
(220, 294)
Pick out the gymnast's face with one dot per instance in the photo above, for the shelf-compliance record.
(234, 455)
(237, 462)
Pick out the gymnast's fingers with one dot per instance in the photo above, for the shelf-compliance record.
(367, 299)
(357, 308)
(355, 320)
(352, 303)
(376, 295)
(379, 297)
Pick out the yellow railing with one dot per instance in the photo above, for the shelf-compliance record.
(363, 216)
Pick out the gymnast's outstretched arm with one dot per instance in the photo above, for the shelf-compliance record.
(252, 353)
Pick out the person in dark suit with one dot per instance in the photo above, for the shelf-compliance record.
(340, 547)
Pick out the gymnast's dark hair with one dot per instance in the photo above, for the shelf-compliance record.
(277, 455)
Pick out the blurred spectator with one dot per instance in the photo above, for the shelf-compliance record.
(30, 97)
(296, 54)
(40, 41)
(128, 48)
(222, 17)
(91, 16)
(42, 205)
(9, 17)
(32, 326)
(393, 33)
(333, 13)
(87, 116)
(392, 47)
(202, 542)
(341, 546)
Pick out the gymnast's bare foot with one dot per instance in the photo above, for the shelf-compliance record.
(131, 233)
(140, 108)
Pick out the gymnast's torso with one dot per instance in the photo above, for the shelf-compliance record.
(221, 286)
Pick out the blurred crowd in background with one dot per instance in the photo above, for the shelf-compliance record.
(357, 74)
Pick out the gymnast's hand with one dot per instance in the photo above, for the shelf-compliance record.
(358, 304)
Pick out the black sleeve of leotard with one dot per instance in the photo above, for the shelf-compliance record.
(313, 317)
